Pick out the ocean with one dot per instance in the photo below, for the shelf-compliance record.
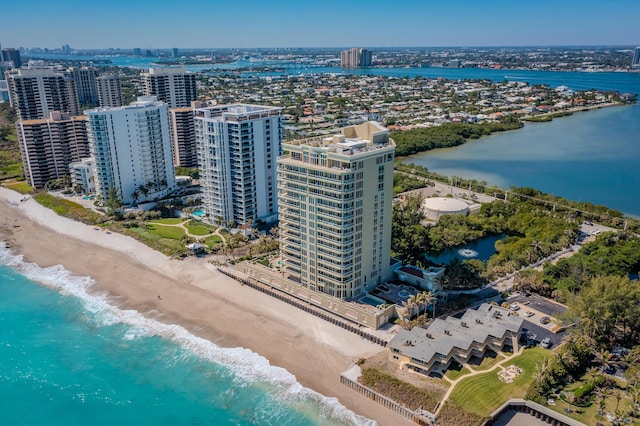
(69, 356)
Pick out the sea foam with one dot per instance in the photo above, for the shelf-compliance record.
(248, 367)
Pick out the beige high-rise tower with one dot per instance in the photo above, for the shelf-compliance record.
(334, 201)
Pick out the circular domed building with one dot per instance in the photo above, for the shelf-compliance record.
(439, 206)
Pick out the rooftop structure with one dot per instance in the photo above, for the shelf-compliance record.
(433, 349)
(436, 207)
(335, 196)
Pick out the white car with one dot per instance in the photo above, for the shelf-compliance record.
(514, 307)
(546, 342)
(528, 314)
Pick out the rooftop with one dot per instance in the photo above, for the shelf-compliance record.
(444, 335)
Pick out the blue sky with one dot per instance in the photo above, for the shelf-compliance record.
(304, 23)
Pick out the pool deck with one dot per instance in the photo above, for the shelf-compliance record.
(393, 293)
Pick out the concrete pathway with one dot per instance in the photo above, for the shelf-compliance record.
(473, 372)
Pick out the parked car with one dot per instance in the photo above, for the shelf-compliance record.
(514, 307)
(528, 314)
(545, 320)
(610, 370)
(546, 343)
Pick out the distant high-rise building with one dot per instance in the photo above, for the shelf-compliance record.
(35, 91)
(183, 135)
(238, 146)
(172, 85)
(355, 57)
(109, 91)
(131, 150)
(137, 51)
(85, 79)
(636, 58)
(49, 145)
(175, 52)
(12, 55)
(334, 201)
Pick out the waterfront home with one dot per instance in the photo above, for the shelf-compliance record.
(432, 350)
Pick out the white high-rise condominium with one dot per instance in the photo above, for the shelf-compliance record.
(334, 202)
(131, 150)
(238, 146)
(172, 85)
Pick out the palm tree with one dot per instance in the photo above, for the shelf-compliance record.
(602, 357)
(409, 307)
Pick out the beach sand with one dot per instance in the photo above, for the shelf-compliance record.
(195, 296)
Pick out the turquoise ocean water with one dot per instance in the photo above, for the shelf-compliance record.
(70, 357)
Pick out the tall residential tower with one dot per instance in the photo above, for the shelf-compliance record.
(35, 91)
(49, 145)
(109, 91)
(334, 200)
(237, 150)
(131, 150)
(172, 85)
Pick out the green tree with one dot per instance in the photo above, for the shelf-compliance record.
(113, 202)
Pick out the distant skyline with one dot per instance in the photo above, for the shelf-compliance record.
(152, 24)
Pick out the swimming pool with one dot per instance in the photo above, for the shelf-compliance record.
(372, 300)
(198, 213)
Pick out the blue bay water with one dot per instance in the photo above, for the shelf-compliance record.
(589, 156)
(70, 357)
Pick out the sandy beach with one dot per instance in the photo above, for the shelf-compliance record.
(195, 296)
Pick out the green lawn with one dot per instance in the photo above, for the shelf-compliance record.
(22, 187)
(213, 240)
(198, 229)
(456, 371)
(169, 221)
(172, 232)
(483, 393)
(488, 361)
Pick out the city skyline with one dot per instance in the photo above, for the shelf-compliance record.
(164, 24)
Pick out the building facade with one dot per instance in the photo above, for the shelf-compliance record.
(353, 58)
(86, 87)
(238, 146)
(48, 146)
(172, 85)
(334, 198)
(83, 175)
(183, 135)
(36, 91)
(131, 150)
(12, 55)
(635, 63)
(109, 91)
(487, 328)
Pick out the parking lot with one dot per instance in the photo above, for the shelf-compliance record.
(532, 309)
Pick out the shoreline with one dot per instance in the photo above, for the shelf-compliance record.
(194, 295)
